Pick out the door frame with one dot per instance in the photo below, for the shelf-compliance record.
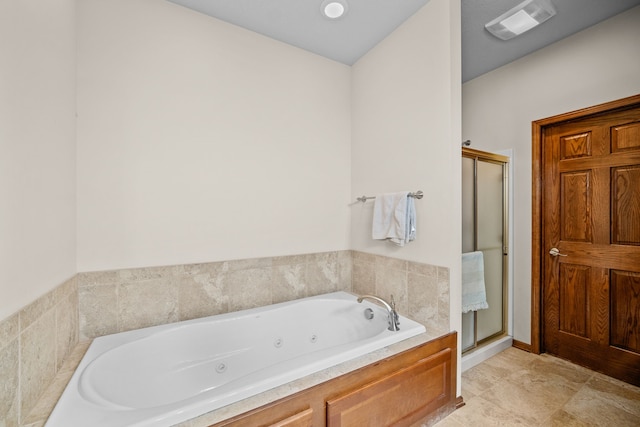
(537, 207)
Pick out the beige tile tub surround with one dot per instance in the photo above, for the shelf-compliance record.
(122, 300)
(421, 291)
(33, 346)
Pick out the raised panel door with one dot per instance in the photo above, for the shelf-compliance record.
(591, 215)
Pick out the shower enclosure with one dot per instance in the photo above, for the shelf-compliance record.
(484, 228)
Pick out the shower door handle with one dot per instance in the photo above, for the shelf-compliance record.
(555, 252)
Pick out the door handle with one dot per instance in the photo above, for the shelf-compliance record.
(555, 252)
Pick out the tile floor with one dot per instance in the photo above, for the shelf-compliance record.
(516, 388)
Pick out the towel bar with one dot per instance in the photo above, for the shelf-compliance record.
(418, 195)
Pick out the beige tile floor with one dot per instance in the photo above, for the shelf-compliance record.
(516, 388)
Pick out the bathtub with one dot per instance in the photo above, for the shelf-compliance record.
(167, 374)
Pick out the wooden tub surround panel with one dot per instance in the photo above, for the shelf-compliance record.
(407, 389)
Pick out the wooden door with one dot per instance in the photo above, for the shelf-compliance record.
(591, 215)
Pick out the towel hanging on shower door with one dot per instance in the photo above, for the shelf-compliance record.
(474, 294)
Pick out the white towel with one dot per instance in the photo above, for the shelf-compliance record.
(394, 218)
(474, 296)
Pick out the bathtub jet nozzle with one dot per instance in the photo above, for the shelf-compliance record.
(394, 320)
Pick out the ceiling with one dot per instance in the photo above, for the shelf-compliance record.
(482, 52)
(367, 22)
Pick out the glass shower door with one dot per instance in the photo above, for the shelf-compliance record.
(484, 228)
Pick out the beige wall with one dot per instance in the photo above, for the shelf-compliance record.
(201, 141)
(597, 65)
(198, 141)
(403, 133)
(406, 136)
(37, 146)
(251, 147)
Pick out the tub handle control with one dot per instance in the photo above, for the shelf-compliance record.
(393, 315)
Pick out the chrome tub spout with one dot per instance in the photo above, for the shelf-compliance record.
(394, 323)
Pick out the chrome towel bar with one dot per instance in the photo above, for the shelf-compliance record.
(417, 195)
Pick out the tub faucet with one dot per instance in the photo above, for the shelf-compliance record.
(394, 320)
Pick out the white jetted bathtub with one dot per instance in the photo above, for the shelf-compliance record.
(167, 374)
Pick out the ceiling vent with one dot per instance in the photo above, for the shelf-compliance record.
(521, 18)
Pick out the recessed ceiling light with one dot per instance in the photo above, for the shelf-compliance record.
(334, 9)
(521, 18)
